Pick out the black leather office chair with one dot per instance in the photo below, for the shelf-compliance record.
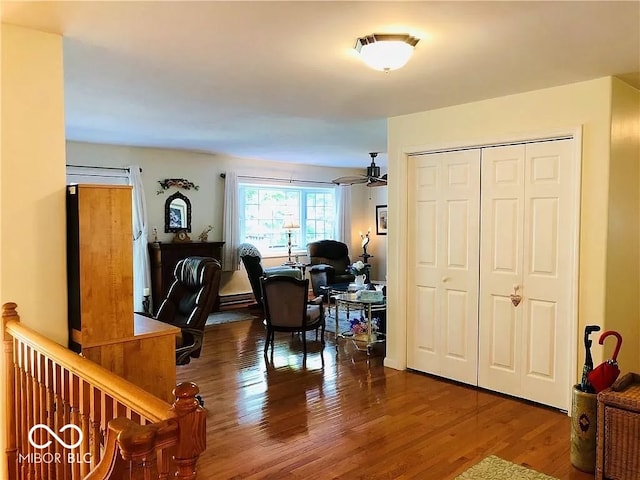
(189, 301)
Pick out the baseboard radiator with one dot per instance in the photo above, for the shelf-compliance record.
(69, 418)
(236, 299)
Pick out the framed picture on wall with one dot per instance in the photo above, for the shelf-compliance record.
(381, 219)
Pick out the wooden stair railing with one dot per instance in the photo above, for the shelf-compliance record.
(69, 418)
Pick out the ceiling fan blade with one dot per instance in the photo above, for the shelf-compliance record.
(377, 182)
(350, 180)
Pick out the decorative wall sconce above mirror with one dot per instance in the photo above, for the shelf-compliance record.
(177, 213)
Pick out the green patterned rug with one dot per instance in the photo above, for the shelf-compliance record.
(228, 317)
(494, 468)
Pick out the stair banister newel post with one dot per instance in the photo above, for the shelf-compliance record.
(192, 441)
(11, 449)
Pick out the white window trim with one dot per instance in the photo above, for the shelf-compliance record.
(292, 184)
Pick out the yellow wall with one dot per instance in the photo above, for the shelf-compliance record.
(623, 242)
(586, 104)
(33, 173)
(4, 472)
(32, 214)
(204, 170)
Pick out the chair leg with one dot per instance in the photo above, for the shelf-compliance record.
(267, 340)
(198, 339)
(304, 342)
(192, 349)
(182, 357)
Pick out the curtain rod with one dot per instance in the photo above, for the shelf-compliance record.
(124, 169)
(289, 180)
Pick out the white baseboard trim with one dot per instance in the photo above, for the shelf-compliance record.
(392, 363)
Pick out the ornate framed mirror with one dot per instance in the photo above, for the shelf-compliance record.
(177, 213)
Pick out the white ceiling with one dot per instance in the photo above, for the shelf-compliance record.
(279, 80)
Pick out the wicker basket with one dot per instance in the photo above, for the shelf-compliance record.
(618, 452)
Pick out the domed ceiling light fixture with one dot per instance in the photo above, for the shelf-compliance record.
(386, 51)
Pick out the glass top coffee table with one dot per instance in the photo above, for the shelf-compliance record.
(330, 292)
(366, 340)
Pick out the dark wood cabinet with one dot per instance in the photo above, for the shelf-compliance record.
(165, 256)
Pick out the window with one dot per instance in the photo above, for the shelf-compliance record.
(97, 175)
(264, 209)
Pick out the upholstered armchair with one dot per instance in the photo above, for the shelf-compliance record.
(252, 261)
(287, 308)
(330, 262)
(189, 301)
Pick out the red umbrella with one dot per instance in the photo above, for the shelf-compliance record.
(607, 372)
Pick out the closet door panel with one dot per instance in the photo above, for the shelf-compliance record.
(505, 235)
(459, 292)
(458, 234)
(427, 231)
(445, 198)
(456, 335)
(550, 219)
(423, 331)
(501, 256)
(503, 334)
(542, 254)
(528, 219)
(541, 326)
(426, 330)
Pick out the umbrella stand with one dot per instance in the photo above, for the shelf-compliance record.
(584, 408)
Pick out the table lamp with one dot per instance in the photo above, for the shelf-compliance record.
(290, 225)
(365, 242)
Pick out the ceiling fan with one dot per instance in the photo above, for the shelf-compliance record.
(372, 177)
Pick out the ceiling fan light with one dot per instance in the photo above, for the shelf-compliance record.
(386, 52)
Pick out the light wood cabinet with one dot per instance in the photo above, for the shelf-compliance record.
(102, 324)
(146, 358)
(99, 264)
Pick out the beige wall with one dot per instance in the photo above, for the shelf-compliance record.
(207, 202)
(32, 211)
(565, 108)
(623, 241)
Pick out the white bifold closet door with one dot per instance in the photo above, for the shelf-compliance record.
(443, 248)
(528, 217)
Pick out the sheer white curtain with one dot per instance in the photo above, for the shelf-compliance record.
(141, 269)
(343, 214)
(230, 223)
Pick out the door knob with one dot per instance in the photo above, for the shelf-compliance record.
(445, 279)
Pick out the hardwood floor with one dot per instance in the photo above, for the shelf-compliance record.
(352, 418)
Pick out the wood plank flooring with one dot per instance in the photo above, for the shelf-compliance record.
(345, 416)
